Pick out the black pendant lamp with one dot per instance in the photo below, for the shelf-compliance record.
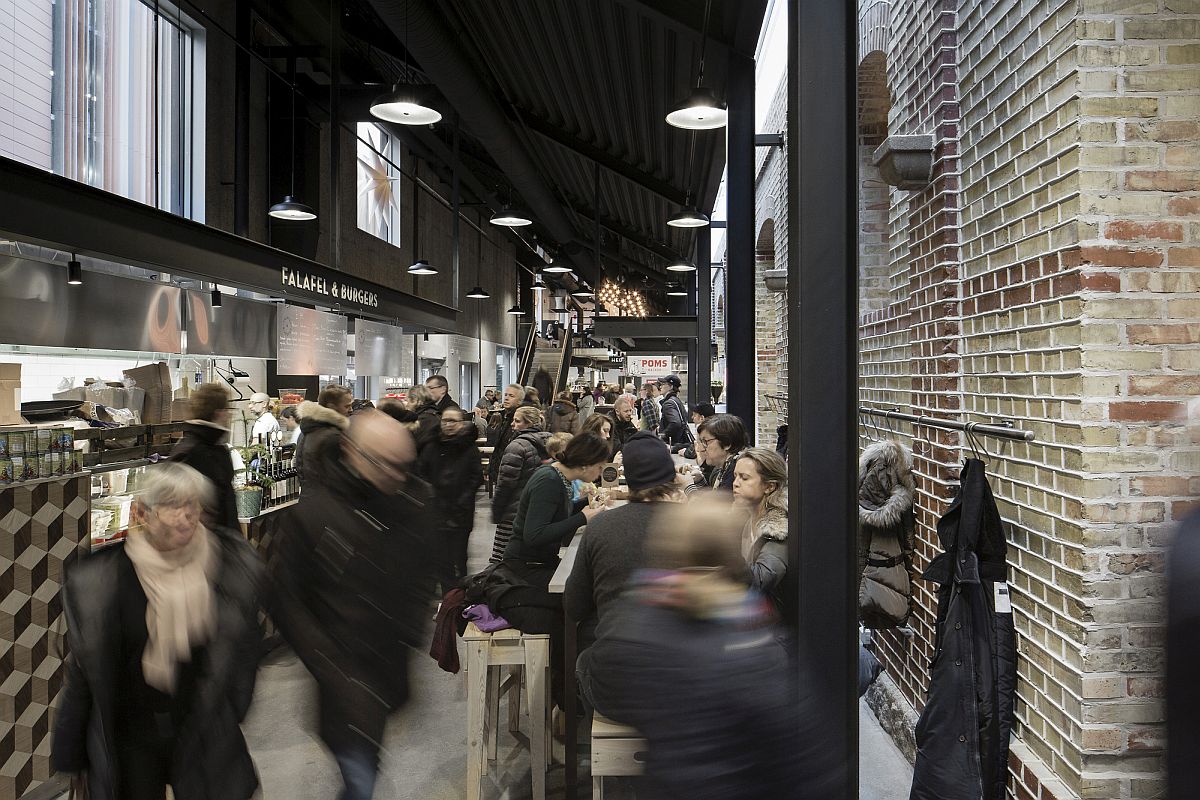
(291, 208)
(406, 104)
(74, 272)
(688, 218)
(517, 311)
(538, 284)
(216, 297)
(557, 265)
(478, 293)
(675, 289)
(420, 266)
(582, 291)
(701, 110)
(511, 217)
(681, 266)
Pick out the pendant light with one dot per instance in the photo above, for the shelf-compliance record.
(477, 293)
(701, 111)
(681, 266)
(74, 272)
(216, 297)
(689, 217)
(675, 289)
(557, 265)
(582, 291)
(511, 217)
(291, 208)
(420, 266)
(538, 284)
(406, 104)
(517, 311)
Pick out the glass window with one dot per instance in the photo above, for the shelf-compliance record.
(111, 94)
(378, 183)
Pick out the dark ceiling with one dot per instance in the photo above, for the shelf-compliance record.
(560, 106)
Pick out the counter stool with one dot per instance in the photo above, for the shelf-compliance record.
(527, 656)
(617, 751)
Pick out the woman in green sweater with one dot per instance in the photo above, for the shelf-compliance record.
(546, 517)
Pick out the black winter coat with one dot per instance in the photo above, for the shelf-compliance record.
(454, 470)
(524, 454)
(202, 449)
(498, 437)
(211, 761)
(320, 451)
(962, 735)
(621, 433)
(564, 417)
(352, 592)
(673, 425)
(429, 421)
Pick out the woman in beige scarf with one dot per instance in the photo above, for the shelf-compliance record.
(162, 634)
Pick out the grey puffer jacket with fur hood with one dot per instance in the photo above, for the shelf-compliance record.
(320, 447)
(885, 538)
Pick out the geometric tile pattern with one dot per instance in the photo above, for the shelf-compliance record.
(43, 528)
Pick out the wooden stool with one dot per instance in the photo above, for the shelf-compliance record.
(487, 655)
(617, 750)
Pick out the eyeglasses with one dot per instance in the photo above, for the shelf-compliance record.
(386, 466)
(174, 515)
(453, 421)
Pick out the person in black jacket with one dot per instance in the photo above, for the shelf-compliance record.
(163, 638)
(623, 424)
(501, 432)
(524, 454)
(203, 448)
(429, 417)
(321, 425)
(440, 390)
(454, 470)
(352, 586)
(673, 425)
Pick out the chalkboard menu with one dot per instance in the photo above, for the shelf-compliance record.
(379, 349)
(311, 342)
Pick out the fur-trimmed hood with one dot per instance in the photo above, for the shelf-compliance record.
(311, 414)
(885, 484)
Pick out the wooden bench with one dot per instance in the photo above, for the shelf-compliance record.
(617, 751)
(526, 656)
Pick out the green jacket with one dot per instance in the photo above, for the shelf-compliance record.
(545, 518)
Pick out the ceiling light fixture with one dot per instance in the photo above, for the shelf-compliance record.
(557, 265)
(477, 293)
(582, 291)
(406, 104)
(517, 311)
(688, 218)
(675, 289)
(681, 266)
(422, 267)
(538, 284)
(511, 217)
(74, 272)
(701, 111)
(291, 208)
(216, 297)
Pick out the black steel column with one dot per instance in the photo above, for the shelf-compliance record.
(700, 370)
(335, 135)
(241, 122)
(822, 370)
(740, 235)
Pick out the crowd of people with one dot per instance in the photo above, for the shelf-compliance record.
(164, 632)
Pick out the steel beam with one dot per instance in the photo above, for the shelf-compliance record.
(700, 370)
(821, 586)
(740, 391)
(644, 328)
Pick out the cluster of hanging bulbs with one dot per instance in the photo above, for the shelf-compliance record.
(629, 301)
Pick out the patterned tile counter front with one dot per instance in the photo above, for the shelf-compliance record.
(42, 524)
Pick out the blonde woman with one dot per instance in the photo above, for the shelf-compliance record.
(760, 486)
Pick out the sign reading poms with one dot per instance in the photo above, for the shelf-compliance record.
(341, 292)
(648, 365)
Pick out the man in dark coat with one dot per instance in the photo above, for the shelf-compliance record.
(673, 426)
(963, 732)
(352, 585)
(203, 448)
(623, 425)
(453, 467)
(501, 432)
(440, 389)
(321, 425)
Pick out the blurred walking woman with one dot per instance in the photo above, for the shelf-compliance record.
(162, 634)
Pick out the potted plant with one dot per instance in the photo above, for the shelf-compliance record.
(716, 387)
(249, 494)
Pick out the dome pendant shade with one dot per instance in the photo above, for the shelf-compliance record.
(701, 111)
(676, 290)
(406, 105)
(688, 218)
(478, 293)
(583, 291)
(517, 311)
(292, 209)
(510, 217)
(538, 285)
(422, 267)
(556, 266)
(681, 266)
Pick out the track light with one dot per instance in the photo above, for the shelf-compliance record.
(406, 104)
(216, 297)
(477, 293)
(422, 267)
(74, 272)
(701, 111)
(511, 217)
(688, 218)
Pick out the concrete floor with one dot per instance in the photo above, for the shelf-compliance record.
(425, 756)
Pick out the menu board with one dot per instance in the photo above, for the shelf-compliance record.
(311, 342)
(379, 349)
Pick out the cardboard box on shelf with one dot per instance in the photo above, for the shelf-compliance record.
(10, 402)
(181, 410)
(155, 381)
(10, 371)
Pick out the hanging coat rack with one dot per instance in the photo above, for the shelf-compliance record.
(1003, 430)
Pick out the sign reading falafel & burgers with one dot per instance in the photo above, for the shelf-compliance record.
(338, 291)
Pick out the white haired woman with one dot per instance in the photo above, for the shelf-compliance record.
(162, 634)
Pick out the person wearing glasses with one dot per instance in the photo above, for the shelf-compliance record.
(719, 440)
(163, 636)
(452, 465)
(353, 587)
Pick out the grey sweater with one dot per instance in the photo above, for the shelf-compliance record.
(610, 551)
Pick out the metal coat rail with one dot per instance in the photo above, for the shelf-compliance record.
(974, 428)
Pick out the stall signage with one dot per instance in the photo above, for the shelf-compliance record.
(649, 365)
(317, 284)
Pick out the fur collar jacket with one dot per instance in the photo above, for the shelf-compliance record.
(316, 414)
(885, 484)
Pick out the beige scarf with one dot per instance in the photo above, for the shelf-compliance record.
(180, 612)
